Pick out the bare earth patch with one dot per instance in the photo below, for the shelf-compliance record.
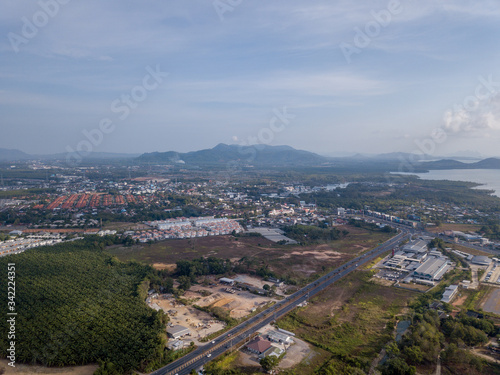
(381, 281)
(21, 369)
(320, 255)
(459, 301)
(239, 304)
(199, 323)
(163, 266)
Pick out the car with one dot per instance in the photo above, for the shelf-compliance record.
(209, 355)
(213, 342)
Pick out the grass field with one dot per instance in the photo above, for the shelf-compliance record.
(458, 227)
(351, 319)
(295, 261)
(22, 369)
(467, 250)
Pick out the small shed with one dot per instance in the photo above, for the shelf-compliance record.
(225, 280)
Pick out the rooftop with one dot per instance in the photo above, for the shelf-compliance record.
(431, 266)
(259, 345)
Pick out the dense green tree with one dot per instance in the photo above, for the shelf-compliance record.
(397, 366)
(184, 282)
(78, 305)
(270, 362)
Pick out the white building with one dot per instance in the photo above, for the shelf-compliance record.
(432, 269)
(449, 293)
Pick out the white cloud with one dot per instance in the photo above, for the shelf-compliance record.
(484, 116)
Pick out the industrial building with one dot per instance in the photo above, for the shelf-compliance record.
(419, 246)
(432, 269)
(279, 337)
(177, 331)
(481, 260)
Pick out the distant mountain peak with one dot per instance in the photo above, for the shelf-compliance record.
(222, 146)
(246, 155)
(13, 154)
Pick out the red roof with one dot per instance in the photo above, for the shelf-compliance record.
(259, 345)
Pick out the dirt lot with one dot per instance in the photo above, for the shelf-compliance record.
(28, 370)
(255, 281)
(200, 323)
(170, 251)
(492, 301)
(459, 301)
(294, 261)
(239, 303)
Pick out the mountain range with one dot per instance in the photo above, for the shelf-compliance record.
(17, 155)
(489, 163)
(265, 155)
(252, 155)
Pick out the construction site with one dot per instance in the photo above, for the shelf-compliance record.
(199, 323)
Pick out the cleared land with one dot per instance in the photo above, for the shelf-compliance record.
(492, 301)
(239, 303)
(295, 261)
(21, 369)
(199, 323)
(169, 251)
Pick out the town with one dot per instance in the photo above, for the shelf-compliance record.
(230, 252)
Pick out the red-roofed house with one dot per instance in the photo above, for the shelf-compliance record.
(258, 345)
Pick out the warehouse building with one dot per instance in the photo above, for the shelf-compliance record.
(432, 269)
(419, 246)
(279, 337)
(176, 332)
(481, 260)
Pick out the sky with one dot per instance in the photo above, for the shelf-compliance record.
(332, 77)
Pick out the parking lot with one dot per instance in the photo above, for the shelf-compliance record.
(492, 274)
(391, 275)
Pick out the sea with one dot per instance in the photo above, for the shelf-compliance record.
(488, 178)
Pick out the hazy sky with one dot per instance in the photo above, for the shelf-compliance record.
(325, 76)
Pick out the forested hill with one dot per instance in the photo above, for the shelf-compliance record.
(77, 305)
(490, 163)
(223, 154)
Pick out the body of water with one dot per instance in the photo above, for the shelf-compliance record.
(488, 178)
